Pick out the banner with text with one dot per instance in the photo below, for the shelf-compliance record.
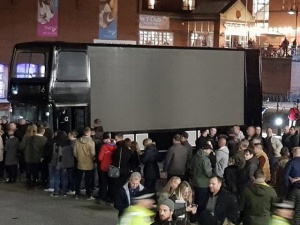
(154, 22)
(47, 18)
(108, 24)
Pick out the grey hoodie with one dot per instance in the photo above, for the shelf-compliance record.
(222, 156)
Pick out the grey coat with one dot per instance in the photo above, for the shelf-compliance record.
(11, 150)
(222, 156)
(176, 159)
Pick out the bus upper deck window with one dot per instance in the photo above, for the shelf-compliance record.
(30, 65)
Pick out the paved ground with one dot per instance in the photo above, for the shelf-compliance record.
(19, 206)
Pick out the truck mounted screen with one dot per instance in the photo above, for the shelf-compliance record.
(171, 88)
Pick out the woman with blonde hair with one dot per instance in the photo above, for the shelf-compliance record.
(170, 188)
(184, 207)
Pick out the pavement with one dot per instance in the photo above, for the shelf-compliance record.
(20, 206)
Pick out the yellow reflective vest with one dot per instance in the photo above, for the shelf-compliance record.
(137, 215)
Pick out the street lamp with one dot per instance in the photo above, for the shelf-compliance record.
(295, 11)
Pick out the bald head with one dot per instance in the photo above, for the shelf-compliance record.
(296, 152)
(222, 142)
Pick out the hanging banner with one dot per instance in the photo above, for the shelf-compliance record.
(47, 18)
(108, 24)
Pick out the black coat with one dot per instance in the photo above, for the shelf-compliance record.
(226, 207)
(150, 159)
(126, 160)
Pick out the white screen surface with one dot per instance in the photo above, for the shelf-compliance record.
(137, 89)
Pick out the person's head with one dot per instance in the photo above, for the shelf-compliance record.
(106, 135)
(212, 131)
(127, 143)
(135, 146)
(255, 141)
(72, 135)
(286, 130)
(10, 133)
(295, 105)
(147, 142)
(176, 139)
(285, 152)
(207, 149)
(135, 180)
(119, 137)
(215, 184)
(249, 153)
(22, 122)
(204, 132)
(284, 209)
(172, 185)
(292, 130)
(166, 210)
(258, 130)
(31, 130)
(97, 123)
(257, 148)
(184, 137)
(41, 130)
(236, 129)
(243, 144)
(296, 152)
(259, 175)
(269, 132)
(12, 126)
(250, 131)
(87, 131)
(184, 192)
(222, 142)
(61, 138)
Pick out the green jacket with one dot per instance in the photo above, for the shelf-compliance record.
(34, 148)
(201, 170)
(137, 215)
(256, 202)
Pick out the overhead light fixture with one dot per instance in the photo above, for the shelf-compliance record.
(151, 4)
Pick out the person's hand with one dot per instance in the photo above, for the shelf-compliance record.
(189, 209)
(42, 159)
(293, 180)
(194, 210)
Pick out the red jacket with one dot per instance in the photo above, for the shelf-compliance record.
(293, 114)
(104, 157)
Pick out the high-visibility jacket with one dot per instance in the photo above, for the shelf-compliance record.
(137, 215)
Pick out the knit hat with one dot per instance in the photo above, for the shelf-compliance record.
(285, 205)
(169, 203)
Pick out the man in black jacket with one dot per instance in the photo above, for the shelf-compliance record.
(220, 205)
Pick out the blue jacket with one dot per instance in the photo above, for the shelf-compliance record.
(123, 200)
(292, 169)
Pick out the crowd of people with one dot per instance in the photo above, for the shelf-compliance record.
(227, 178)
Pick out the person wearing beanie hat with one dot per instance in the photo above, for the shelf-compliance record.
(165, 213)
(140, 213)
(283, 213)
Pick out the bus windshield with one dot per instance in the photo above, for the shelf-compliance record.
(32, 113)
(29, 65)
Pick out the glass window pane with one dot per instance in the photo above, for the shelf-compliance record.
(28, 65)
(72, 66)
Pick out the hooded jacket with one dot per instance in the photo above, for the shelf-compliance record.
(222, 156)
(201, 170)
(84, 152)
(256, 202)
(105, 156)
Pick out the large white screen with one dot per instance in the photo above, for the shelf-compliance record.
(135, 89)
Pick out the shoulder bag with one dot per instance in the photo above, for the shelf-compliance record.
(114, 172)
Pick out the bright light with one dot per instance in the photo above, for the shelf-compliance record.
(278, 121)
(47, 113)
